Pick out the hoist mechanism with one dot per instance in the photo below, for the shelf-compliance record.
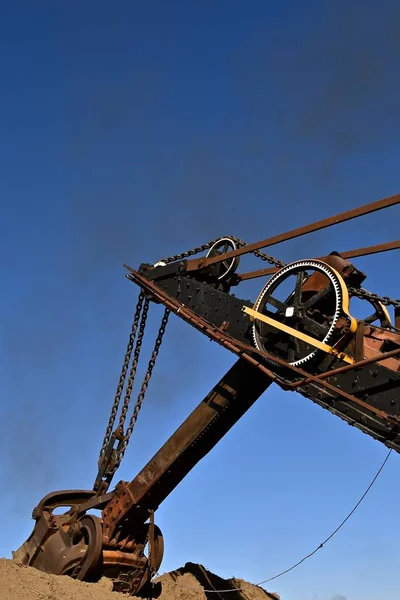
(301, 333)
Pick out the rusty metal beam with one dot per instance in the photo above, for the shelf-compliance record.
(200, 263)
(356, 365)
(246, 351)
(368, 250)
(227, 402)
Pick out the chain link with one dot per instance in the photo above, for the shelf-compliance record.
(141, 313)
(116, 456)
(188, 253)
(364, 294)
(240, 243)
(263, 255)
(147, 377)
(359, 292)
(122, 378)
(135, 361)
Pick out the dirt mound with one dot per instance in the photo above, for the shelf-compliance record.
(187, 583)
(192, 581)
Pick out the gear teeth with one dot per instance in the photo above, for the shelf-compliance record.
(307, 264)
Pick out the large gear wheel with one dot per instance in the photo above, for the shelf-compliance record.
(306, 295)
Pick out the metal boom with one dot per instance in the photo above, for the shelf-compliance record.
(300, 333)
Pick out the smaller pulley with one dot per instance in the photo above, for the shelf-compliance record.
(303, 302)
(380, 315)
(226, 268)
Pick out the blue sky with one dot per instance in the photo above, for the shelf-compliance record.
(131, 131)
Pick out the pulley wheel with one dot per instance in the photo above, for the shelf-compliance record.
(226, 267)
(380, 316)
(90, 539)
(93, 535)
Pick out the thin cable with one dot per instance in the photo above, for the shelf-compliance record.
(321, 545)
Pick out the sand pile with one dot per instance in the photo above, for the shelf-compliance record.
(187, 583)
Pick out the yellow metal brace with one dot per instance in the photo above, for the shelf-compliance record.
(298, 334)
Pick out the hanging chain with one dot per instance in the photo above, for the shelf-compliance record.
(110, 457)
(142, 393)
(141, 313)
(135, 361)
(122, 377)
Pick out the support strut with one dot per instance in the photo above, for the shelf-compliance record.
(227, 402)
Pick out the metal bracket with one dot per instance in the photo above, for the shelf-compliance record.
(107, 463)
(298, 334)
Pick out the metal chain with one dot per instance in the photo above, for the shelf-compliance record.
(188, 253)
(364, 294)
(147, 377)
(121, 382)
(266, 257)
(115, 456)
(359, 292)
(135, 361)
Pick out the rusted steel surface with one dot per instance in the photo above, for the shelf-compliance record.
(62, 498)
(369, 250)
(64, 543)
(377, 358)
(247, 351)
(73, 544)
(227, 402)
(378, 343)
(397, 317)
(371, 419)
(366, 251)
(199, 263)
(352, 276)
(123, 545)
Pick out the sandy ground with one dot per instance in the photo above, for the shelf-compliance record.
(187, 583)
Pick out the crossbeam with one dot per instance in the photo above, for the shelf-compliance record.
(200, 263)
(357, 252)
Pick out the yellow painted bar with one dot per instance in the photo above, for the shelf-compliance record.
(298, 334)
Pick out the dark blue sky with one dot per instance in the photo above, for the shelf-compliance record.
(131, 131)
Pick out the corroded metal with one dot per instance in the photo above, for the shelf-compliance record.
(195, 264)
(125, 544)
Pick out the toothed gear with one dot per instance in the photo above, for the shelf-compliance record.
(273, 283)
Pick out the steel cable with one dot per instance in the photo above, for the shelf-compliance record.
(298, 563)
